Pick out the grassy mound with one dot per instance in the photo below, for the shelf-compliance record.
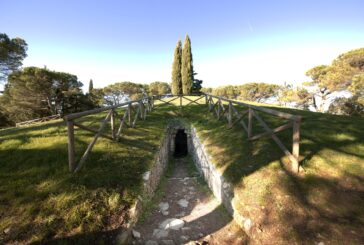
(324, 203)
(41, 201)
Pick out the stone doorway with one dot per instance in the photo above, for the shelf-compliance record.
(181, 149)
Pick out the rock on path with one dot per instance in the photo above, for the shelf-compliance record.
(186, 214)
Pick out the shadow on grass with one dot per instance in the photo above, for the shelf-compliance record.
(319, 209)
(29, 177)
(40, 199)
(324, 204)
(104, 237)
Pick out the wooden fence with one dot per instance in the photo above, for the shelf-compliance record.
(233, 116)
(133, 110)
(167, 100)
(38, 120)
(223, 108)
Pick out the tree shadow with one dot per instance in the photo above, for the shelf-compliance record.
(331, 154)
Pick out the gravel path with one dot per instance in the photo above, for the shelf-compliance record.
(187, 214)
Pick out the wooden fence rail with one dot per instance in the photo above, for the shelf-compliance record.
(37, 120)
(233, 116)
(221, 107)
(133, 110)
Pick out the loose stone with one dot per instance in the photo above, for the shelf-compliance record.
(183, 203)
(151, 242)
(167, 242)
(185, 238)
(146, 176)
(158, 233)
(163, 206)
(181, 214)
(248, 225)
(136, 234)
(174, 224)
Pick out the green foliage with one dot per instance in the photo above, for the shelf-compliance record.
(4, 119)
(299, 97)
(228, 91)
(36, 92)
(97, 97)
(176, 70)
(187, 67)
(90, 86)
(206, 90)
(258, 91)
(197, 85)
(120, 92)
(249, 91)
(357, 86)
(353, 106)
(345, 70)
(159, 88)
(12, 53)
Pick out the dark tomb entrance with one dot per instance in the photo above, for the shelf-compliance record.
(180, 149)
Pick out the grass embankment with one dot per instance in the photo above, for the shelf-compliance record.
(324, 203)
(40, 200)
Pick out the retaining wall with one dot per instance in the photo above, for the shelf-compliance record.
(221, 188)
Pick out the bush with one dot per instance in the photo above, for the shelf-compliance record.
(347, 106)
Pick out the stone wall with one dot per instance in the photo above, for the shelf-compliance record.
(151, 180)
(222, 189)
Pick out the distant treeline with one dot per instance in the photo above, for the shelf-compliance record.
(34, 92)
(337, 88)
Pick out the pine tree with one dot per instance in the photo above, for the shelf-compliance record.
(90, 86)
(176, 70)
(187, 67)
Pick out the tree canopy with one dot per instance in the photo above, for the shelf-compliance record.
(37, 92)
(159, 88)
(176, 70)
(90, 86)
(344, 74)
(122, 91)
(12, 53)
(187, 67)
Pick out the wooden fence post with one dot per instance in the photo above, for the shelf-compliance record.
(296, 145)
(141, 110)
(230, 115)
(112, 123)
(218, 109)
(71, 146)
(129, 114)
(250, 123)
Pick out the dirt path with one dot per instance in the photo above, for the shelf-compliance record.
(187, 214)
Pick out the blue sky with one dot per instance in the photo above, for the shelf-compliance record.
(233, 42)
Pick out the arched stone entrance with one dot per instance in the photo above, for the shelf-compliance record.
(180, 146)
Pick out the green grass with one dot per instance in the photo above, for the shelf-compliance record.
(324, 203)
(41, 201)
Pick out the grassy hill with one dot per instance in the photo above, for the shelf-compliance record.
(40, 200)
(323, 203)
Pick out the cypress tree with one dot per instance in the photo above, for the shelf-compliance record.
(176, 70)
(90, 86)
(187, 66)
